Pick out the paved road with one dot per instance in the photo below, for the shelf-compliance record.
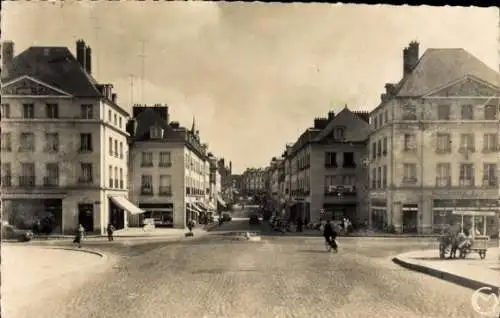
(278, 277)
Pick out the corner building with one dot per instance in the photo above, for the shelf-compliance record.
(434, 149)
(64, 144)
(169, 169)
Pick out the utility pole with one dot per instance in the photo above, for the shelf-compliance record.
(143, 57)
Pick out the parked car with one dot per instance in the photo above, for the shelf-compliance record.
(10, 232)
(254, 219)
(226, 217)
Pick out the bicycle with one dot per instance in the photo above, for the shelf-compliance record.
(329, 246)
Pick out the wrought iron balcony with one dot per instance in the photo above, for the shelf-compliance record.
(27, 181)
(165, 190)
(50, 181)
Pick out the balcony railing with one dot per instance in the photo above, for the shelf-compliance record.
(147, 191)
(50, 181)
(27, 181)
(165, 191)
(7, 181)
(490, 182)
(409, 180)
(330, 165)
(443, 182)
(466, 182)
(340, 191)
(146, 164)
(165, 164)
(85, 180)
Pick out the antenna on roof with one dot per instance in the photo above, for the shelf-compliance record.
(96, 35)
(143, 57)
(131, 76)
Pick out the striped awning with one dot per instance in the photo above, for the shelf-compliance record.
(193, 207)
(200, 206)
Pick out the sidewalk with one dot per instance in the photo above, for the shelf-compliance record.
(471, 272)
(137, 233)
(360, 233)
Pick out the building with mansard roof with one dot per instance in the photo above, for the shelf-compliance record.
(64, 144)
(169, 169)
(434, 148)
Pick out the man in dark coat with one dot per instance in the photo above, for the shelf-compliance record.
(330, 235)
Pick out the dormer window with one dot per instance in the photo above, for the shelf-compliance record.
(339, 133)
(156, 133)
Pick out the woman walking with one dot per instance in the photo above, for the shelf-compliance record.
(80, 232)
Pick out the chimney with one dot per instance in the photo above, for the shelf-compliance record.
(7, 55)
(113, 97)
(80, 53)
(162, 111)
(331, 115)
(390, 89)
(88, 60)
(410, 57)
(174, 124)
(130, 127)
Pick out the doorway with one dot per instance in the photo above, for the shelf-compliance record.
(86, 216)
(410, 219)
(116, 216)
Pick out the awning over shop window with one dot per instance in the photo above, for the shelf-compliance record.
(126, 205)
(201, 206)
(221, 201)
(194, 207)
(210, 206)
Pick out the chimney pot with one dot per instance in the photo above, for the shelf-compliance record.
(113, 97)
(88, 60)
(81, 53)
(7, 55)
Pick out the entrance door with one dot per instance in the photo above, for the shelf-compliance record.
(86, 216)
(410, 221)
(116, 217)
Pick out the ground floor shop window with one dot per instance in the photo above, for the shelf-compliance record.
(379, 219)
(161, 218)
(41, 216)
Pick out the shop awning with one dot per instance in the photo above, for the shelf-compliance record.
(193, 207)
(474, 213)
(220, 200)
(201, 206)
(125, 204)
(210, 206)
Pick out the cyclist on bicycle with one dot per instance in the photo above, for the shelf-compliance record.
(330, 235)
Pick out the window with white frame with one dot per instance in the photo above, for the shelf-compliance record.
(155, 132)
(147, 184)
(443, 142)
(86, 111)
(165, 159)
(27, 142)
(467, 142)
(410, 172)
(147, 159)
(490, 142)
(466, 178)
(85, 172)
(409, 142)
(490, 178)
(51, 142)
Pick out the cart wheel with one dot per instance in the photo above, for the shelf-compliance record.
(482, 254)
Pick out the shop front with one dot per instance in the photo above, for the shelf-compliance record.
(161, 213)
(118, 206)
(40, 215)
(339, 211)
(477, 215)
(378, 214)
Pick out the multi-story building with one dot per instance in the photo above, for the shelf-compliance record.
(168, 165)
(226, 183)
(253, 181)
(326, 171)
(434, 149)
(236, 184)
(58, 124)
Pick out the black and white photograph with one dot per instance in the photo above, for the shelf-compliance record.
(208, 159)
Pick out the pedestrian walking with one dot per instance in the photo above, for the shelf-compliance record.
(110, 229)
(80, 232)
(190, 225)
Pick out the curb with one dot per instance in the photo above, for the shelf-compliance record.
(82, 250)
(452, 278)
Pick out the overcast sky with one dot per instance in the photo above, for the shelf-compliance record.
(254, 75)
